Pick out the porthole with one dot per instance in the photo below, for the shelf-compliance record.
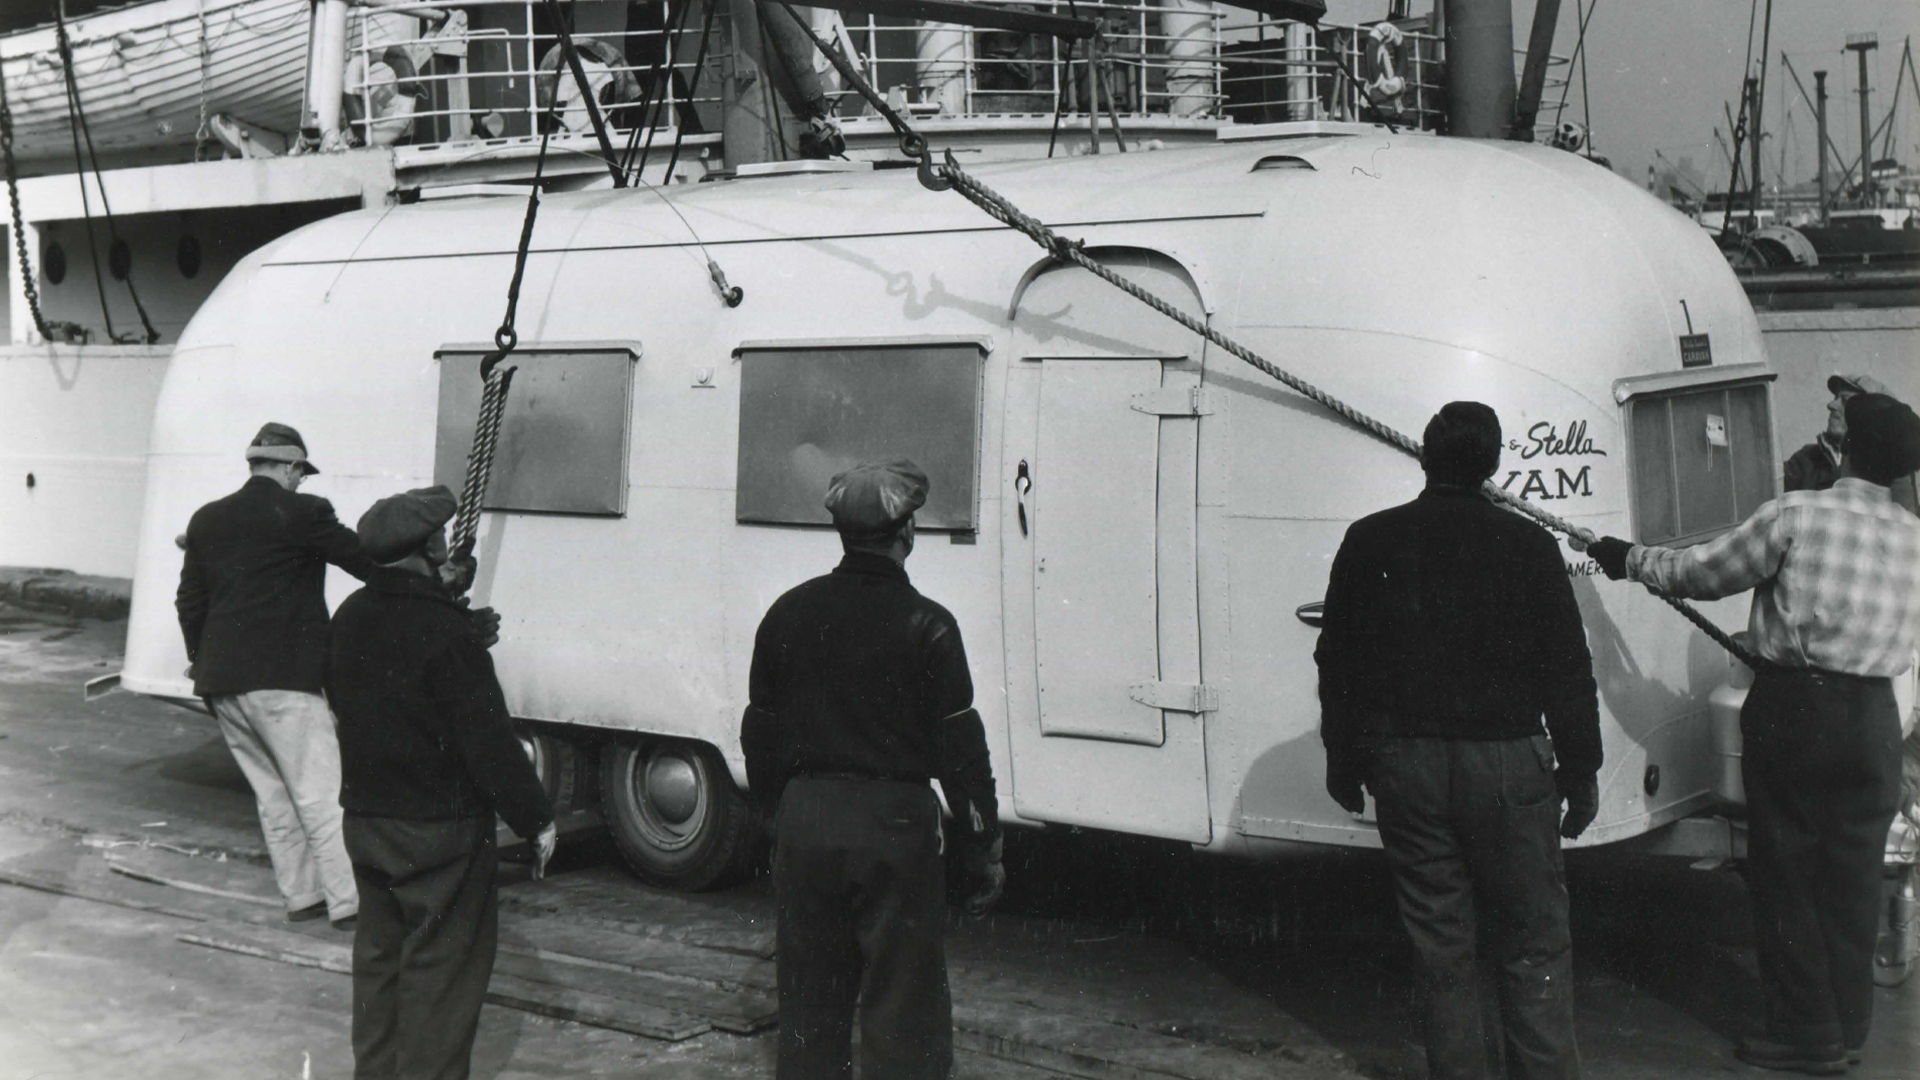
(53, 263)
(187, 256)
(119, 260)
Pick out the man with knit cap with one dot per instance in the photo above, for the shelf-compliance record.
(1835, 576)
(1815, 466)
(1451, 631)
(429, 757)
(859, 695)
(253, 609)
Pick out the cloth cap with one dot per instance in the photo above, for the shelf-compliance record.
(1461, 444)
(1856, 384)
(1883, 436)
(278, 442)
(874, 497)
(397, 526)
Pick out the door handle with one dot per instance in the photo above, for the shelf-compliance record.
(1022, 483)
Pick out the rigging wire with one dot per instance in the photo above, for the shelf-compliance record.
(1579, 53)
(664, 88)
(79, 117)
(693, 90)
(655, 88)
(949, 174)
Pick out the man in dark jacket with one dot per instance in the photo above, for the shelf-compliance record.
(1450, 630)
(429, 757)
(859, 694)
(253, 609)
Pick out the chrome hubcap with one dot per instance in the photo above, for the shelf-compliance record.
(673, 789)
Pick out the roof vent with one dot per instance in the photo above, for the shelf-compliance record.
(1281, 161)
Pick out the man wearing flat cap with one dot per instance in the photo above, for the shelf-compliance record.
(1815, 466)
(252, 606)
(1835, 576)
(429, 758)
(859, 695)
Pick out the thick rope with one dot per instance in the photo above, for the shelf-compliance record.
(495, 381)
(997, 206)
(486, 437)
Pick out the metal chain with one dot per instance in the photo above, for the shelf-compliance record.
(206, 58)
(997, 206)
(19, 228)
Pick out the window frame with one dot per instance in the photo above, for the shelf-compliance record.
(1635, 390)
(984, 347)
(531, 351)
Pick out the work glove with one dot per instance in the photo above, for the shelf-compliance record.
(484, 624)
(1582, 794)
(1611, 553)
(457, 574)
(989, 878)
(544, 842)
(1346, 772)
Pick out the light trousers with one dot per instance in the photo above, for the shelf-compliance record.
(284, 742)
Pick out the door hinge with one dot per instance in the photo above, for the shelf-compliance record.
(1176, 697)
(1174, 401)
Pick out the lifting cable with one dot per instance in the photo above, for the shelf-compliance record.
(27, 285)
(949, 174)
(495, 380)
(77, 116)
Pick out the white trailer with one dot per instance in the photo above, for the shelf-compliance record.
(1132, 527)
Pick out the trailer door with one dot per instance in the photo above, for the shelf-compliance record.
(1107, 705)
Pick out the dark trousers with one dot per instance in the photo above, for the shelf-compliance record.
(1471, 834)
(1821, 762)
(861, 895)
(423, 950)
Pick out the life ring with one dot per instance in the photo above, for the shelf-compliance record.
(608, 77)
(391, 88)
(1385, 88)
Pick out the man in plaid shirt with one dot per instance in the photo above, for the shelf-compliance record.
(1836, 607)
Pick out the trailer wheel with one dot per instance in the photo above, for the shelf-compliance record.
(556, 762)
(675, 814)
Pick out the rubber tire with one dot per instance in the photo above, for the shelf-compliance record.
(556, 762)
(715, 845)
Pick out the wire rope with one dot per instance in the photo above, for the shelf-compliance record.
(79, 115)
(949, 174)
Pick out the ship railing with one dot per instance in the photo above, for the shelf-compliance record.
(485, 70)
(1152, 59)
(1280, 69)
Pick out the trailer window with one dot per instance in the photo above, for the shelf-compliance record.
(563, 438)
(809, 411)
(1703, 460)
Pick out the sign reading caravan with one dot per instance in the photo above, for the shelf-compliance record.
(1133, 528)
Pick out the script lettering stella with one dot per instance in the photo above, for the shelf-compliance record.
(1545, 438)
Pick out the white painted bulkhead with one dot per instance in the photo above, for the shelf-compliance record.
(1398, 272)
